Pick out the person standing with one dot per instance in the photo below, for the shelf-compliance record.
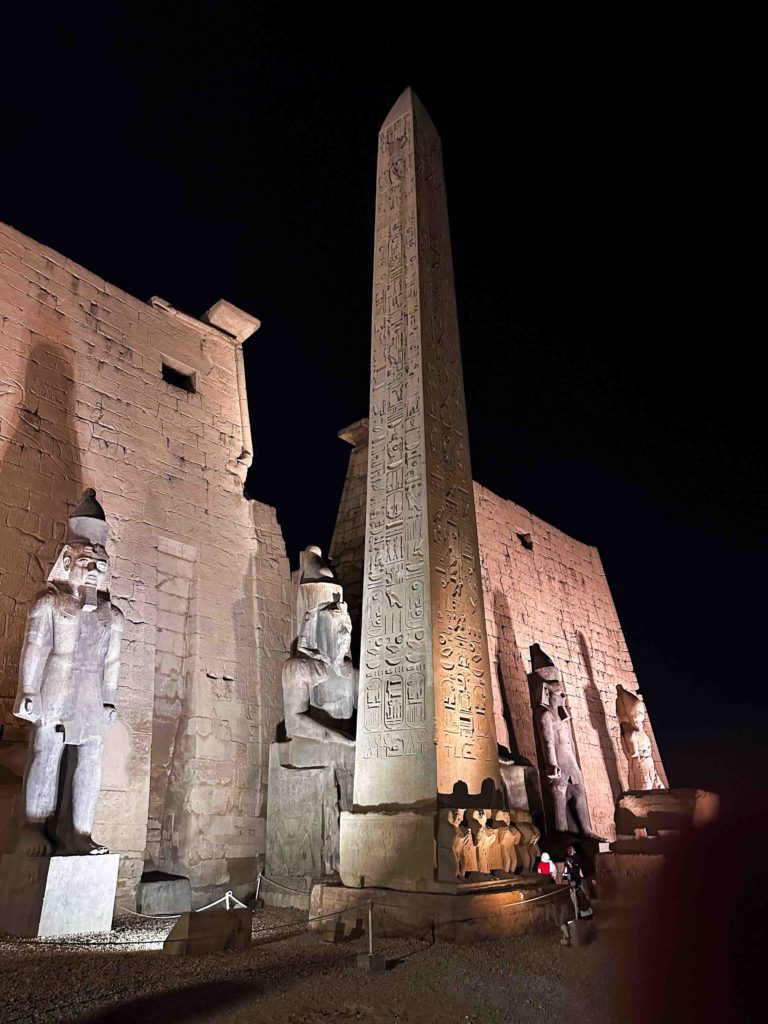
(574, 874)
(546, 866)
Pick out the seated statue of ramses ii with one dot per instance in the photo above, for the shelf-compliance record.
(311, 775)
(319, 681)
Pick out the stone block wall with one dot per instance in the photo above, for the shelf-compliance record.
(539, 586)
(199, 571)
(347, 550)
(542, 586)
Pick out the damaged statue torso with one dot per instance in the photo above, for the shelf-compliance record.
(71, 690)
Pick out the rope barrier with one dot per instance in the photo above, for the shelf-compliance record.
(501, 906)
(288, 888)
(297, 925)
(226, 899)
(393, 906)
(147, 917)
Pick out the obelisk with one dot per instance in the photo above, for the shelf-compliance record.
(425, 733)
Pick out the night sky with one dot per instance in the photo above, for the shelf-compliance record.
(198, 151)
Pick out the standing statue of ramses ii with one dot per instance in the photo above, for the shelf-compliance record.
(630, 710)
(553, 722)
(67, 686)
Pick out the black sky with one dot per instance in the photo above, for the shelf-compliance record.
(199, 151)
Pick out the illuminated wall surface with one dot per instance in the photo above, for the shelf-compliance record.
(539, 586)
(199, 571)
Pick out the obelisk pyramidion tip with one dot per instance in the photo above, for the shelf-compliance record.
(409, 101)
(403, 104)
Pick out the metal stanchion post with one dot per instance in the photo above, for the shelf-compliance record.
(258, 902)
(374, 963)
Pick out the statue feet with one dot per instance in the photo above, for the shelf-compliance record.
(80, 846)
(33, 842)
(593, 837)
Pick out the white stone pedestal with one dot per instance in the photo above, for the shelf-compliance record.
(48, 896)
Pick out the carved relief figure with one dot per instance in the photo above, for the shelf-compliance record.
(504, 856)
(67, 686)
(630, 708)
(554, 727)
(483, 838)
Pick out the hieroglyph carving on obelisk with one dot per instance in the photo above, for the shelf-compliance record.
(425, 720)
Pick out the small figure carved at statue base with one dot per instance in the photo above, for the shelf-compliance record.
(483, 838)
(504, 851)
(455, 848)
(67, 685)
(528, 851)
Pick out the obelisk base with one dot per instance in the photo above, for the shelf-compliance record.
(487, 911)
(396, 851)
(50, 896)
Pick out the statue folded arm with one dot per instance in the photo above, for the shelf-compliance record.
(38, 644)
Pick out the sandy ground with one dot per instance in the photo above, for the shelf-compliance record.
(291, 976)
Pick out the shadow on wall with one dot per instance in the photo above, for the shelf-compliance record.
(599, 720)
(252, 625)
(40, 470)
(513, 677)
(40, 480)
(489, 796)
(248, 662)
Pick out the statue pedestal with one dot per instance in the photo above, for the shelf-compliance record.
(309, 783)
(50, 896)
(650, 824)
(654, 810)
(464, 912)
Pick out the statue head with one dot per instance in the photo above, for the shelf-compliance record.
(630, 708)
(83, 561)
(452, 815)
(82, 565)
(327, 633)
(549, 691)
(503, 817)
(314, 568)
(322, 620)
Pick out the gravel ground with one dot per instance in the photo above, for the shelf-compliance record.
(291, 976)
